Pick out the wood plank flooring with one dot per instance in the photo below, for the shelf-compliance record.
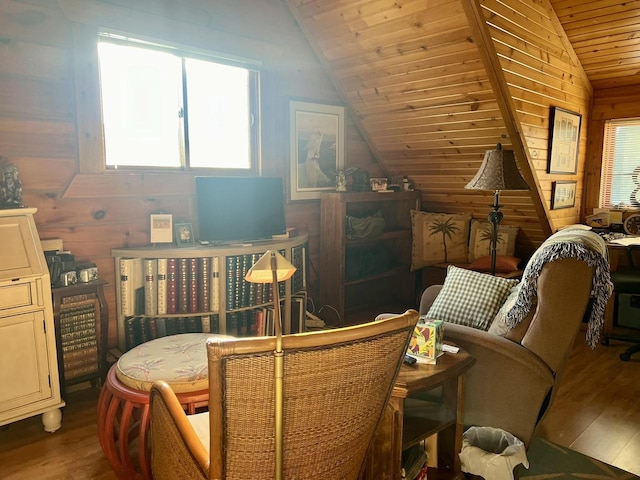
(596, 412)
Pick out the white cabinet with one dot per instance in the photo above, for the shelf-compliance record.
(29, 383)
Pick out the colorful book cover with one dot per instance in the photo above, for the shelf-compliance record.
(426, 341)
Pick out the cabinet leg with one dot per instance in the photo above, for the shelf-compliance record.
(52, 420)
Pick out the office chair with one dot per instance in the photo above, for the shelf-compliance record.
(626, 281)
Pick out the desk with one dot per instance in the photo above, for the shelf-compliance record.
(618, 257)
(426, 399)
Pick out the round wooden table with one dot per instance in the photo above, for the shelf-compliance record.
(123, 405)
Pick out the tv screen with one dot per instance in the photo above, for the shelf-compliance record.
(240, 209)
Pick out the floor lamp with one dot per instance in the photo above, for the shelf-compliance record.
(272, 268)
(498, 171)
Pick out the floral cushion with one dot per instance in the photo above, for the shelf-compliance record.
(179, 360)
(438, 238)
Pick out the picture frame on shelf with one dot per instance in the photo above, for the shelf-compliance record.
(563, 194)
(564, 141)
(161, 228)
(316, 135)
(184, 235)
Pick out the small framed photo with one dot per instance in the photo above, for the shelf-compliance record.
(563, 194)
(184, 235)
(564, 140)
(161, 230)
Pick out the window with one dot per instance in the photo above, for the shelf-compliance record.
(620, 181)
(164, 107)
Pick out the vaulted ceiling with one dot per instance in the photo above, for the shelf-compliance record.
(433, 84)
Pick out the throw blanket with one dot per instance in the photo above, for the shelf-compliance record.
(584, 245)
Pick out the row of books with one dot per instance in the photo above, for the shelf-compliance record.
(78, 335)
(251, 322)
(159, 286)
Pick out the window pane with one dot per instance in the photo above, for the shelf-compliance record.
(141, 101)
(620, 183)
(219, 115)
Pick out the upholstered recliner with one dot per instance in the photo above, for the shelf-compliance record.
(514, 379)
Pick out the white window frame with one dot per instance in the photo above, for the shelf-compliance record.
(186, 52)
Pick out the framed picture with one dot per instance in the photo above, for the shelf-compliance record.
(184, 235)
(563, 194)
(161, 230)
(316, 148)
(564, 140)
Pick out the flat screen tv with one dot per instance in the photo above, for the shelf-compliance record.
(240, 209)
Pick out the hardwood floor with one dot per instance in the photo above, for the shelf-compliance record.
(596, 413)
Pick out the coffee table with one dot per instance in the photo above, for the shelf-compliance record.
(426, 399)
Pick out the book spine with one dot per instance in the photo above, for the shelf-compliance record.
(204, 285)
(215, 284)
(172, 285)
(130, 280)
(150, 286)
(183, 285)
(192, 278)
(162, 286)
(230, 279)
(206, 323)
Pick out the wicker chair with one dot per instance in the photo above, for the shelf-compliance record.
(336, 385)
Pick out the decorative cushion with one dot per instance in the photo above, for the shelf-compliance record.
(438, 238)
(504, 263)
(480, 240)
(180, 360)
(470, 298)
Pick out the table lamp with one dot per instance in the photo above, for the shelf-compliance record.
(272, 268)
(498, 171)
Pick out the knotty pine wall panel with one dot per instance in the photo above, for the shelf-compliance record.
(540, 74)
(96, 212)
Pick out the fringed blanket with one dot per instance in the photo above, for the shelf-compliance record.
(569, 243)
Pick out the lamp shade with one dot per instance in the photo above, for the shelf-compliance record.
(262, 271)
(498, 171)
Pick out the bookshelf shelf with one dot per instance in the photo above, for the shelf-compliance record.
(81, 317)
(362, 273)
(164, 290)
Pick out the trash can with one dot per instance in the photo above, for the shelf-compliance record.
(491, 453)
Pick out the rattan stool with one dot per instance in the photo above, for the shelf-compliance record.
(123, 406)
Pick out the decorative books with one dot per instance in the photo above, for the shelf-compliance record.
(426, 342)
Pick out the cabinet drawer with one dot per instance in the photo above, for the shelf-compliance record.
(17, 295)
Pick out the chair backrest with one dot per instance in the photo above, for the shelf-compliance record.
(336, 385)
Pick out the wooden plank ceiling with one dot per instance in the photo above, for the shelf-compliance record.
(605, 35)
(413, 77)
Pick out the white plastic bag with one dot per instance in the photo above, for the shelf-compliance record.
(491, 453)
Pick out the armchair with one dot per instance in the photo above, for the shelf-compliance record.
(514, 380)
(336, 385)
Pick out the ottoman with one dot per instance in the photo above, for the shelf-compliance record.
(123, 406)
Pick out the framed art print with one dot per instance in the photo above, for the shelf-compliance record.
(161, 228)
(564, 140)
(184, 235)
(316, 148)
(563, 194)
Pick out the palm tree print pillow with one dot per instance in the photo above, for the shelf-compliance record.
(439, 238)
(480, 240)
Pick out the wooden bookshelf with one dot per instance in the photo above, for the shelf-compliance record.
(393, 284)
(234, 304)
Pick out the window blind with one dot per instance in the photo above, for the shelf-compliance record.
(620, 180)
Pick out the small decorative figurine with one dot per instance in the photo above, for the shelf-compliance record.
(10, 186)
(341, 182)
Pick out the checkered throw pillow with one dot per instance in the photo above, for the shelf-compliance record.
(470, 298)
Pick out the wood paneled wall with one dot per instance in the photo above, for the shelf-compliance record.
(433, 85)
(40, 132)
